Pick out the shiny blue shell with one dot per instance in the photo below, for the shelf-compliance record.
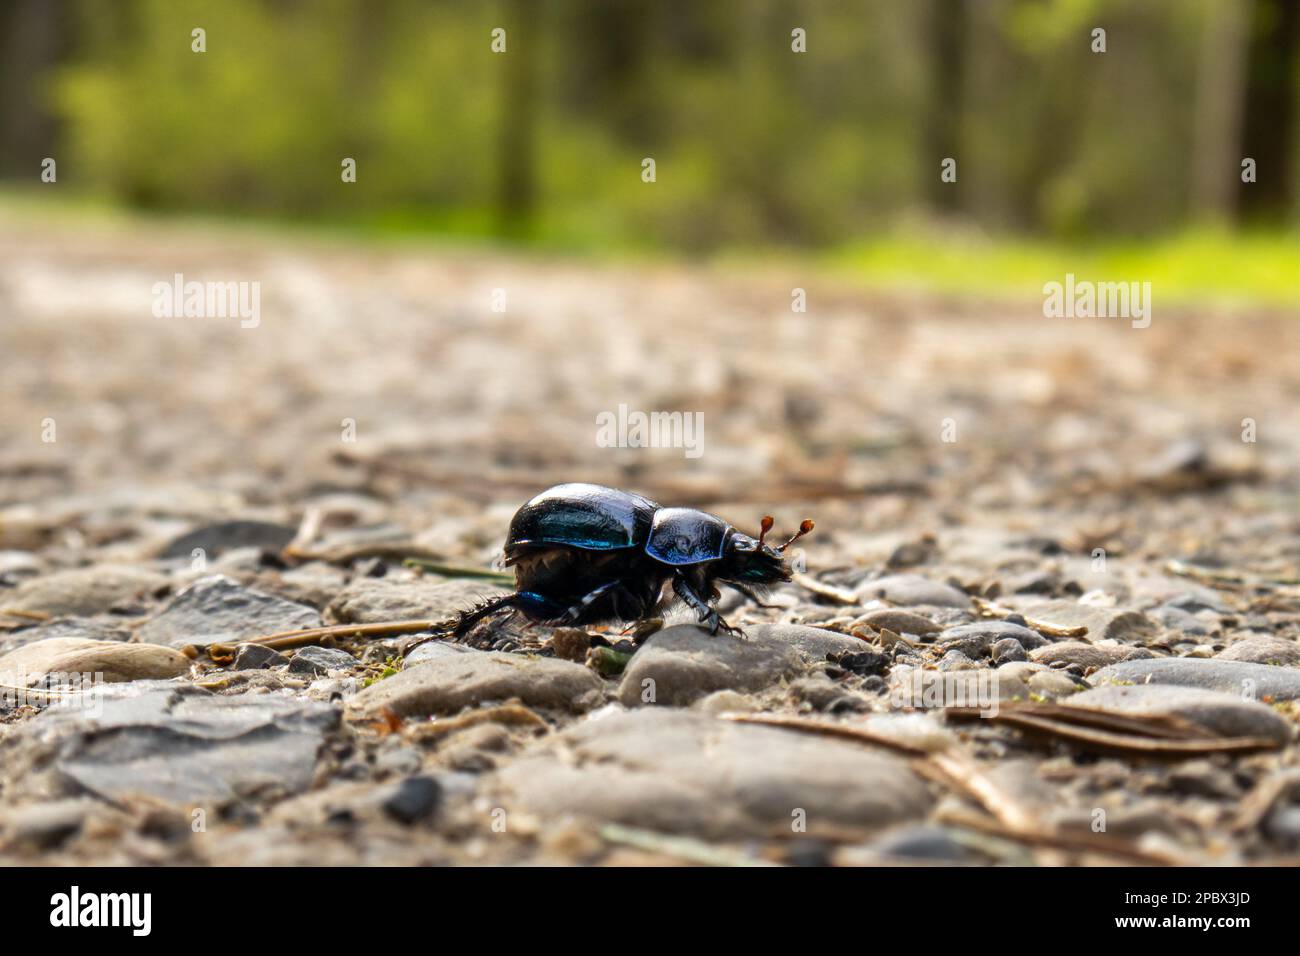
(685, 536)
(591, 517)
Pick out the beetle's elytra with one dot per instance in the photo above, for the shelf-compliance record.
(586, 554)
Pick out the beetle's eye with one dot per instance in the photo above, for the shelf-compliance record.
(745, 544)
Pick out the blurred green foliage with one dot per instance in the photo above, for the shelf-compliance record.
(1187, 267)
(757, 147)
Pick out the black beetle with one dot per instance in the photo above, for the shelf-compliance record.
(584, 554)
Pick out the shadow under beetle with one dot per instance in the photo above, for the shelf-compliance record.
(586, 554)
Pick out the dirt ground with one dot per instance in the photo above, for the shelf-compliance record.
(977, 459)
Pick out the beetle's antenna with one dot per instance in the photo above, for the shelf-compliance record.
(764, 527)
(804, 527)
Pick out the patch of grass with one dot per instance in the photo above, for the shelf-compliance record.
(1188, 267)
(390, 667)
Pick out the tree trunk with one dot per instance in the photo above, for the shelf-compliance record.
(33, 37)
(517, 184)
(1270, 110)
(1220, 87)
(946, 25)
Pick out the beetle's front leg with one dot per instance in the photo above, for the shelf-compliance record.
(708, 616)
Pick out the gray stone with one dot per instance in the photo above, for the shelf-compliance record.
(1088, 655)
(1178, 592)
(444, 686)
(925, 731)
(1177, 619)
(1007, 650)
(821, 693)
(1234, 677)
(975, 639)
(687, 772)
(899, 621)
(1262, 650)
(437, 650)
(174, 742)
(44, 825)
(911, 590)
(813, 644)
(1204, 779)
(1033, 582)
(922, 842)
(16, 565)
(1228, 715)
(84, 592)
(955, 660)
(252, 657)
(320, 661)
(216, 539)
(1103, 623)
(315, 583)
(1038, 679)
(685, 663)
(218, 610)
(371, 600)
(413, 799)
(1284, 824)
(909, 554)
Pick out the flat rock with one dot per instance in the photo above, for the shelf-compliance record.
(437, 650)
(686, 662)
(925, 842)
(1103, 623)
(174, 742)
(371, 600)
(40, 826)
(315, 583)
(320, 661)
(910, 729)
(813, 644)
(449, 683)
(1223, 714)
(688, 772)
(110, 661)
(216, 609)
(1176, 619)
(1234, 677)
(899, 621)
(1088, 655)
(1262, 650)
(252, 657)
(216, 539)
(911, 590)
(83, 592)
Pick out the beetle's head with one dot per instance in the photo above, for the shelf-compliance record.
(752, 561)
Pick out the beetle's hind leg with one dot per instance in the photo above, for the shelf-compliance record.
(460, 625)
(581, 610)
